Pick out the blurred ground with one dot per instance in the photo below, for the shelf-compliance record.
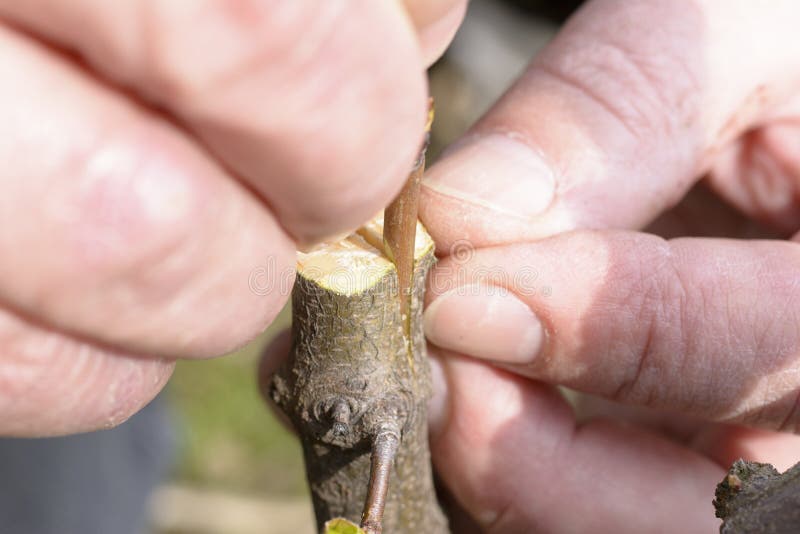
(239, 470)
(230, 440)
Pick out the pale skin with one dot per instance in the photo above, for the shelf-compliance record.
(144, 184)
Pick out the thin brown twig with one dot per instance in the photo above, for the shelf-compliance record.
(384, 449)
(400, 229)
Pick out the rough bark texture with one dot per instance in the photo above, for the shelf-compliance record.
(755, 499)
(347, 380)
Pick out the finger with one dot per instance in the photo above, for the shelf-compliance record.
(701, 326)
(613, 121)
(703, 213)
(722, 443)
(727, 443)
(52, 384)
(675, 426)
(510, 452)
(116, 227)
(320, 106)
(273, 355)
(760, 175)
(436, 23)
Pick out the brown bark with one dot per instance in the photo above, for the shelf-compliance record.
(349, 388)
(755, 498)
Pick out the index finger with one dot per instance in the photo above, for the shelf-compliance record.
(319, 106)
(706, 327)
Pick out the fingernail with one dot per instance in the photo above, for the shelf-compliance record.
(486, 322)
(497, 172)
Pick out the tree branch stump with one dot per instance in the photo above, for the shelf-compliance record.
(755, 498)
(356, 388)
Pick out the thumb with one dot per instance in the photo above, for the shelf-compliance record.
(614, 120)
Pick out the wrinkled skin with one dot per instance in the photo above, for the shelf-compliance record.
(163, 158)
(143, 186)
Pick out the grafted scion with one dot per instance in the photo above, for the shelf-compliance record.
(357, 402)
(384, 449)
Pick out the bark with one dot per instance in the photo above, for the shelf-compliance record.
(356, 391)
(755, 498)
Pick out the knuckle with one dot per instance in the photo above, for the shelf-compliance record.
(657, 301)
(324, 62)
(309, 82)
(132, 204)
(646, 93)
(295, 51)
(53, 384)
(229, 34)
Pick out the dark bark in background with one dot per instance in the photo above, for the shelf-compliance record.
(350, 380)
(755, 498)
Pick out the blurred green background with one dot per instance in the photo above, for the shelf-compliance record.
(229, 438)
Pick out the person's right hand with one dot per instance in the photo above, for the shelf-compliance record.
(158, 153)
(695, 340)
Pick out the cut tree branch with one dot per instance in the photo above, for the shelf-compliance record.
(357, 381)
(384, 450)
(755, 498)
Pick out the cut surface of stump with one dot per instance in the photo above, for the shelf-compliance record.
(356, 384)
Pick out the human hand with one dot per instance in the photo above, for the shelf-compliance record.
(158, 153)
(610, 127)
